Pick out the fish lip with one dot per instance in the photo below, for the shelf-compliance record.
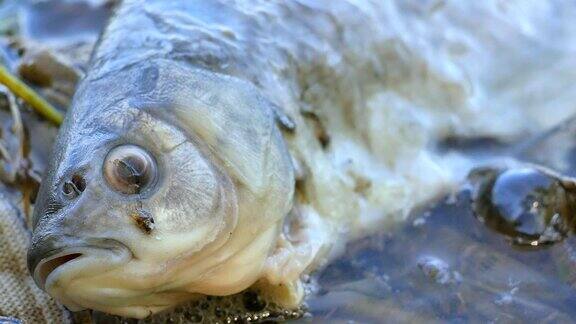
(38, 258)
(40, 278)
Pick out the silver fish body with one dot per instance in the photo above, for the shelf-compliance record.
(219, 145)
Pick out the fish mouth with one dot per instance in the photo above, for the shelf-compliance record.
(48, 260)
(49, 265)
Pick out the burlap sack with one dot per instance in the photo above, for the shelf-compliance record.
(19, 296)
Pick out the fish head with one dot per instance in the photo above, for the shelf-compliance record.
(159, 192)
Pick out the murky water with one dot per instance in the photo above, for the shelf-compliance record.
(445, 264)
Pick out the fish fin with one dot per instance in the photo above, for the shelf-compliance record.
(288, 295)
(303, 246)
(283, 120)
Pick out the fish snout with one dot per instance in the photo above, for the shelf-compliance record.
(52, 198)
(51, 252)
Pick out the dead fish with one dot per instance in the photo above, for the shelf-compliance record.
(215, 146)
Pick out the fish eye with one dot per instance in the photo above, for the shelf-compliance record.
(129, 169)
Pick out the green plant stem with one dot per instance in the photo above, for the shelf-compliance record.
(23, 91)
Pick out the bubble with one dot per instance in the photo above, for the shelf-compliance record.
(252, 302)
(245, 307)
(205, 305)
(530, 206)
(219, 312)
(195, 318)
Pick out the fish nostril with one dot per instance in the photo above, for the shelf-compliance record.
(74, 187)
(79, 182)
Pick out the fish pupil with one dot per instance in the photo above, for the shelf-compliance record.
(131, 172)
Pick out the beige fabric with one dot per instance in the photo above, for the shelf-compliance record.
(19, 296)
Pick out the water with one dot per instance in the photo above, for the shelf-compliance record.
(447, 267)
(448, 263)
